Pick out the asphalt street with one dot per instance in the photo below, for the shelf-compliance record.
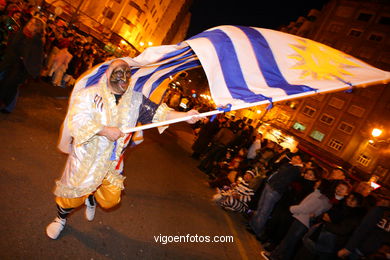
(165, 195)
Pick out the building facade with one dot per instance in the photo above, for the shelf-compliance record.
(337, 127)
(142, 23)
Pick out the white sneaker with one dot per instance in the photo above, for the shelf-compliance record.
(90, 210)
(54, 229)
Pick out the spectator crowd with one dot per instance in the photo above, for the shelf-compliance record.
(35, 44)
(294, 206)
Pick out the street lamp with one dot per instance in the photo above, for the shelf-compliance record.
(376, 132)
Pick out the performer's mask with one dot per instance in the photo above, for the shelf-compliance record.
(120, 78)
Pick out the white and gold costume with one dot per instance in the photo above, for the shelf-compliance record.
(93, 158)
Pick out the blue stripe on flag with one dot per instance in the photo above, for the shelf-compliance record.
(268, 64)
(230, 66)
(96, 77)
(133, 70)
(142, 80)
(174, 53)
(185, 66)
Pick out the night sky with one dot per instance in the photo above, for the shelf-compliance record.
(265, 14)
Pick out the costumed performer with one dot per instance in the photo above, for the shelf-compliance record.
(96, 115)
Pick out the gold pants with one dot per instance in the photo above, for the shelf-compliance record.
(107, 195)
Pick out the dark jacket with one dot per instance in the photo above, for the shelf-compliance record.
(372, 232)
(283, 177)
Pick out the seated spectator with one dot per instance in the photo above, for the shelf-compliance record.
(236, 198)
(311, 207)
(324, 239)
(226, 173)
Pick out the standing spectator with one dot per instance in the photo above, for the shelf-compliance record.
(370, 235)
(73, 66)
(57, 34)
(9, 26)
(205, 136)
(23, 58)
(60, 65)
(220, 143)
(281, 217)
(276, 185)
(86, 58)
(255, 147)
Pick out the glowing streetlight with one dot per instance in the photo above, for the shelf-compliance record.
(141, 44)
(376, 132)
(150, 43)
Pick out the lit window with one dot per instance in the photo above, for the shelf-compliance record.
(309, 111)
(355, 33)
(336, 103)
(298, 126)
(365, 17)
(317, 135)
(335, 144)
(327, 119)
(363, 159)
(346, 128)
(356, 111)
(283, 118)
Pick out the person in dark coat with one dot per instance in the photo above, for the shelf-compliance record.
(370, 235)
(217, 150)
(275, 187)
(205, 136)
(281, 218)
(23, 58)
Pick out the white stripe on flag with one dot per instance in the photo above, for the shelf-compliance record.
(212, 67)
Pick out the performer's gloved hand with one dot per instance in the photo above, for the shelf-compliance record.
(112, 133)
(194, 119)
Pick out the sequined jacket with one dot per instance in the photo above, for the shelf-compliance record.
(93, 158)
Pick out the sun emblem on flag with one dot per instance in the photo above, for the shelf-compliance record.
(320, 61)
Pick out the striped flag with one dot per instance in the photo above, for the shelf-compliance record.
(248, 66)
